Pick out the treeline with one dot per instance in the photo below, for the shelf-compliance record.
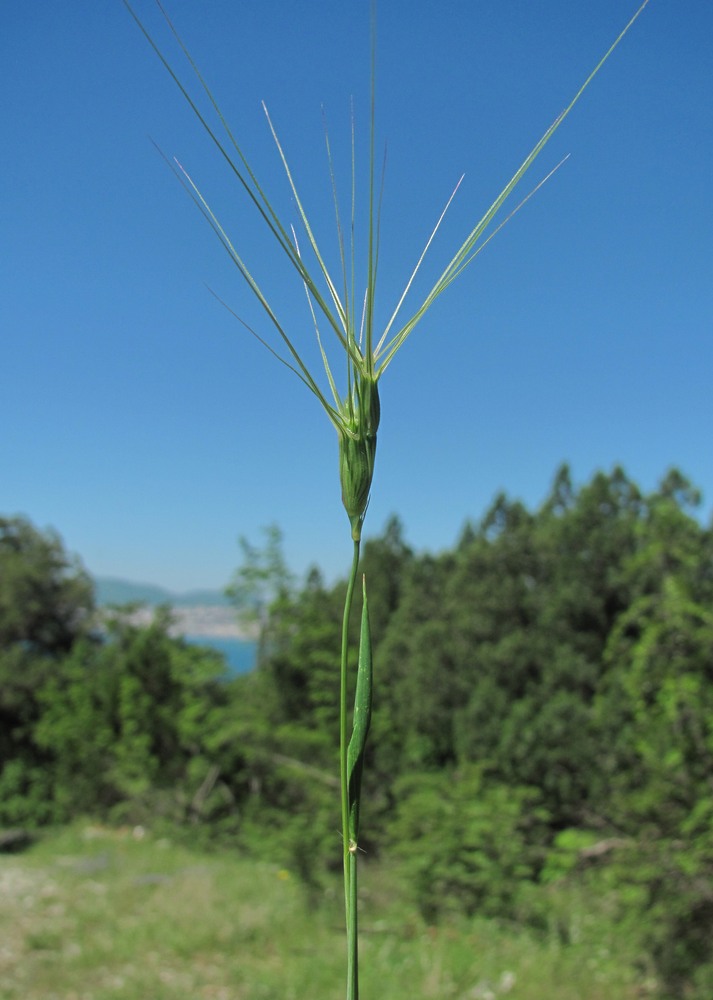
(543, 713)
(98, 717)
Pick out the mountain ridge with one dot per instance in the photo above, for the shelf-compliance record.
(114, 590)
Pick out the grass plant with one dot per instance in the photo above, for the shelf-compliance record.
(342, 307)
(92, 913)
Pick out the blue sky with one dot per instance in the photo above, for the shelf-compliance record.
(147, 427)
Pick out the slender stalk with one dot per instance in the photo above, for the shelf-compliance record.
(353, 930)
(350, 900)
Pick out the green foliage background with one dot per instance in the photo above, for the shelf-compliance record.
(543, 714)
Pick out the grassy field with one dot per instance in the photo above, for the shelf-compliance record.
(90, 913)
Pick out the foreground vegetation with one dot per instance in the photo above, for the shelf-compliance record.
(93, 913)
(541, 762)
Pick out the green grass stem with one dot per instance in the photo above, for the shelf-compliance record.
(349, 857)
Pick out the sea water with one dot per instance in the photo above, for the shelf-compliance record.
(239, 653)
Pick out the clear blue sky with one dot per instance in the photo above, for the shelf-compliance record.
(142, 422)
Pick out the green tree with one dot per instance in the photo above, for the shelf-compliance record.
(261, 585)
(124, 722)
(46, 597)
(46, 605)
(656, 767)
(385, 563)
(544, 686)
(465, 844)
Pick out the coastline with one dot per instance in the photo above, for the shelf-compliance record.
(199, 621)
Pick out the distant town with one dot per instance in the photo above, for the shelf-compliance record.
(204, 620)
(201, 613)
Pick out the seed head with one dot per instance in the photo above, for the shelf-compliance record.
(354, 413)
(357, 448)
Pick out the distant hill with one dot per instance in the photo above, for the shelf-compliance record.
(110, 590)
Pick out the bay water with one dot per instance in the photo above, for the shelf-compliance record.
(239, 653)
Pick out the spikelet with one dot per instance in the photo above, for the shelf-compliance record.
(357, 449)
